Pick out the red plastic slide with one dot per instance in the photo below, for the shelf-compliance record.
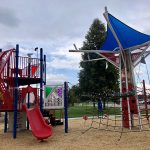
(40, 129)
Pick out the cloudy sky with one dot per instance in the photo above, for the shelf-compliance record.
(55, 25)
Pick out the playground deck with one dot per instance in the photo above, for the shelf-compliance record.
(90, 140)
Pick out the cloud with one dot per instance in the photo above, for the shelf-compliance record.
(63, 64)
(8, 18)
(8, 45)
(51, 20)
(53, 79)
(61, 58)
(55, 26)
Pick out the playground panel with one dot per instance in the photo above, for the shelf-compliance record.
(53, 97)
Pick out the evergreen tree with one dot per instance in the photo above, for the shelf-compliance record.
(94, 78)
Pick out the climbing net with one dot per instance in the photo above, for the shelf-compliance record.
(110, 117)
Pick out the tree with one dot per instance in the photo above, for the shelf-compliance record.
(74, 95)
(94, 78)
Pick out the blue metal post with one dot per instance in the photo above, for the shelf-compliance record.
(6, 121)
(66, 106)
(16, 93)
(45, 69)
(100, 107)
(28, 104)
(41, 79)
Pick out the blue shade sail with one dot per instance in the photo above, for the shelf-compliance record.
(127, 36)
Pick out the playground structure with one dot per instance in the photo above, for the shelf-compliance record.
(17, 75)
(124, 47)
(18, 72)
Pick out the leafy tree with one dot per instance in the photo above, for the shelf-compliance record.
(74, 95)
(94, 78)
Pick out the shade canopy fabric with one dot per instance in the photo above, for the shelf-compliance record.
(127, 36)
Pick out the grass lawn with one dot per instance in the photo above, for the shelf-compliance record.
(80, 111)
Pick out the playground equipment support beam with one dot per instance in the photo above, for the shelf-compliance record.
(145, 99)
(45, 69)
(16, 93)
(66, 105)
(6, 113)
(29, 67)
(114, 34)
(6, 122)
(100, 53)
(125, 62)
(41, 78)
(93, 51)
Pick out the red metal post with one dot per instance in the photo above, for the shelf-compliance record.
(145, 99)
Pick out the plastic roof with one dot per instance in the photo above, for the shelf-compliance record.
(127, 36)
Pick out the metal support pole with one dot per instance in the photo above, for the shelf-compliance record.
(145, 99)
(66, 106)
(6, 121)
(45, 69)
(120, 85)
(136, 96)
(16, 93)
(29, 67)
(6, 113)
(41, 78)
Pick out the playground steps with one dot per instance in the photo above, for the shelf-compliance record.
(21, 121)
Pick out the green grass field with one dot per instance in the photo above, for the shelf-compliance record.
(80, 111)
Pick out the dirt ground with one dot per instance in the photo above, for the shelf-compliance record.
(77, 139)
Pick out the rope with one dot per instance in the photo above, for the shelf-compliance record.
(108, 123)
(147, 74)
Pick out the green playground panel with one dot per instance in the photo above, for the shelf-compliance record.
(48, 91)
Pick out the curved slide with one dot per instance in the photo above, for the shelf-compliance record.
(37, 123)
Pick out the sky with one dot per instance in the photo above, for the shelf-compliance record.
(55, 25)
